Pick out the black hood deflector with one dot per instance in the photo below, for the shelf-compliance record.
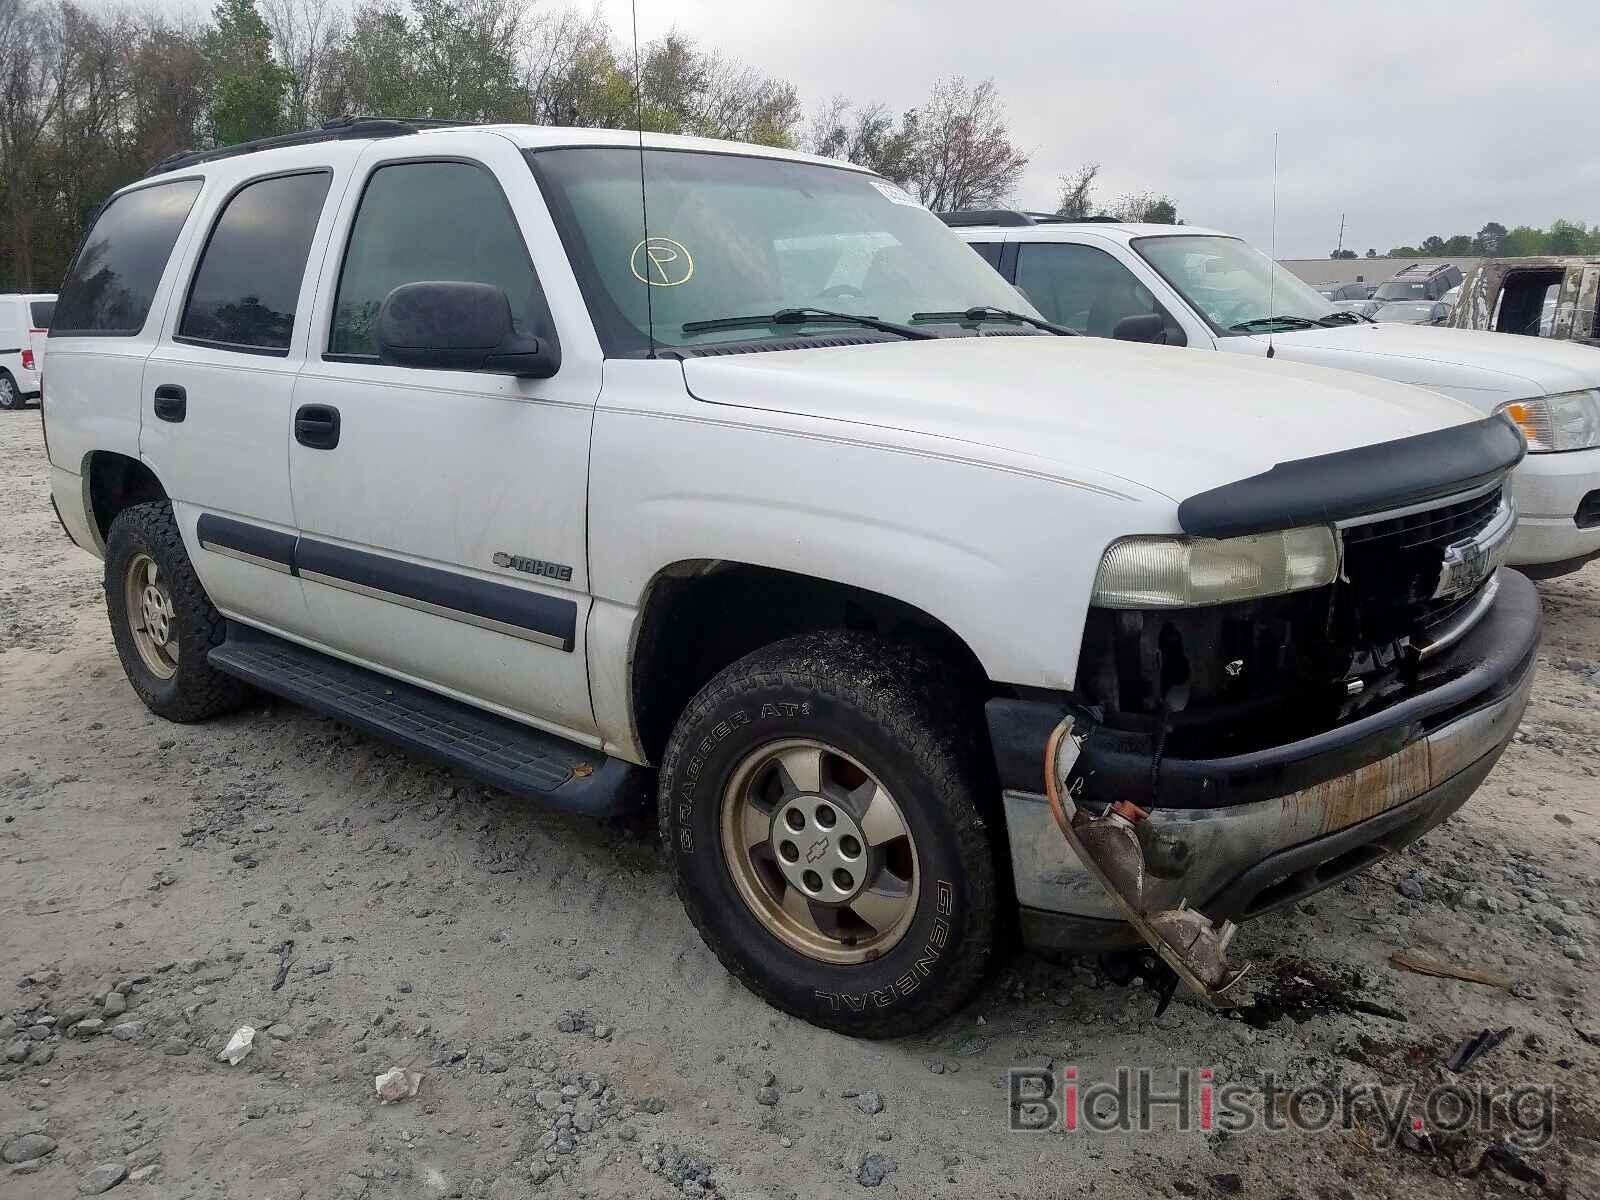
(1359, 482)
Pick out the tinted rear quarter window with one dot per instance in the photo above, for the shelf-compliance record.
(113, 281)
(248, 284)
(43, 311)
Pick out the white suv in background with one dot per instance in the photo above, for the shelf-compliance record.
(1187, 286)
(24, 322)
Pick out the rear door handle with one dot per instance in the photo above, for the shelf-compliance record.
(317, 426)
(172, 402)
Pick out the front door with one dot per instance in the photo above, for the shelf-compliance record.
(442, 513)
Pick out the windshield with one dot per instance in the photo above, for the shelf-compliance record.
(1401, 291)
(737, 236)
(1229, 283)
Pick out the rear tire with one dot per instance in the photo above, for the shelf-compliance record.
(822, 800)
(162, 621)
(10, 394)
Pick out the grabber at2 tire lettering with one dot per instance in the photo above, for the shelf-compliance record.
(162, 621)
(823, 801)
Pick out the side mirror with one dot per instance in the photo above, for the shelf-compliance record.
(453, 326)
(1146, 327)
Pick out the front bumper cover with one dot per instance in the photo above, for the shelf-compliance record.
(1241, 835)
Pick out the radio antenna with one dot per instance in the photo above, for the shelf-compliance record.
(644, 207)
(1272, 273)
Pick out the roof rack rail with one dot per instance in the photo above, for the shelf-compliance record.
(337, 129)
(1416, 269)
(962, 218)
(967, 217)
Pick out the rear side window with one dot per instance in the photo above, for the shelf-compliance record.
(420, 221)
(42, 311)
(248, 283)
(114, 278)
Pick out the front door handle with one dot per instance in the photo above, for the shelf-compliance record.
(172, 402)
(317, 426)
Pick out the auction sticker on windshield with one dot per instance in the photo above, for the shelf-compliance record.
(895, 193)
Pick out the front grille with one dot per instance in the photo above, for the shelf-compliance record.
(1394, 565)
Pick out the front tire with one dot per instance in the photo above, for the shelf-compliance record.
(822, 800)
(162, 621)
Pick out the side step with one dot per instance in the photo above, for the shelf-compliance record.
(521, 760)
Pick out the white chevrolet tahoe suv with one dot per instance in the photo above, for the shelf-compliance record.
(1185, 286)
(420, 428)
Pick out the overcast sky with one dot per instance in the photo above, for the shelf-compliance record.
(1410, 117)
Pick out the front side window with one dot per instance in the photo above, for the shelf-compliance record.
(113, 280)
(42, 311)
(248, 284)
(734, 236)
(989, 252)
(1083, 288)
(1236, 289)
(431, 222)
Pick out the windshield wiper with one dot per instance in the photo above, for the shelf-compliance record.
(1260, 324)
(804, 316)
(1345, 318)
(988, 312)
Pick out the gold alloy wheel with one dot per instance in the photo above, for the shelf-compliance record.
(820, 851)
(152, 619)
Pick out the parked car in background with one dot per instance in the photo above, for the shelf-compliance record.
(1362, 308)
(24, 324)
(1453, 296)
(1419, 282)
(1413, 312)
(1554, 297)
(1185, 286)
(415, 426)
(1346, 291)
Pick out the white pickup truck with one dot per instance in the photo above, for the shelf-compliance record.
(1180, 285)
(787, 510)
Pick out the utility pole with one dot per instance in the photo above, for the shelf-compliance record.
(1339, 249)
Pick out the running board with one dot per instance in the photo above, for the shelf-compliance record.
(524, 761)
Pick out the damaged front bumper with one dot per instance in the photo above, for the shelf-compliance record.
(1241, 835)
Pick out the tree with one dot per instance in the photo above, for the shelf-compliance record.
(1490, 239)
(1143, 206)
(1077, 193)
(249, 85)
(306, 35)
(1566, 238)
(953, 151)
(1433, 246)
(964, 157)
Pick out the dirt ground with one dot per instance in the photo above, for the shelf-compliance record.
(363, 910)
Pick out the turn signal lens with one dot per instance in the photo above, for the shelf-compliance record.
(1566, 421)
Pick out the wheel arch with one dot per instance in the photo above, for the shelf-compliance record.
(111, 483)
(697, 616)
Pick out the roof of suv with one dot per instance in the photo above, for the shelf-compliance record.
(1119, 230)
(527, 137)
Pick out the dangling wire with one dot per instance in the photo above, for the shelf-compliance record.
(644, 208)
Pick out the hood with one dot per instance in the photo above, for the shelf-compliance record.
(1483, 369)
(1082, 409)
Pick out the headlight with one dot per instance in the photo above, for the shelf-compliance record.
(1179, 572)
(1568, 421)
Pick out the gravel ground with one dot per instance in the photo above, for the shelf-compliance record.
(163, 885)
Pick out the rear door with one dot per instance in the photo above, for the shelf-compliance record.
(218, 386)
(41, 311)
